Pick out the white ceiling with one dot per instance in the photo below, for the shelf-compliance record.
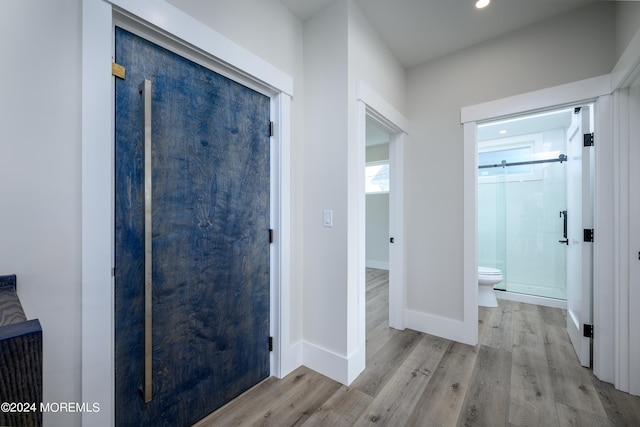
(305, 9)
(418, 31)
(532, 123)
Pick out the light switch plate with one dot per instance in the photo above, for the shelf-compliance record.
(327, 218)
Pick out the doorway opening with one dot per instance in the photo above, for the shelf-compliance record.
(523, 179)
(383, 241)
(374, 110)
(377, 185)
(535, 210)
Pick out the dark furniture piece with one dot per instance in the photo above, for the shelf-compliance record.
(20, 360)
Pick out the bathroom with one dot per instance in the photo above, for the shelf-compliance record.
(523, 198)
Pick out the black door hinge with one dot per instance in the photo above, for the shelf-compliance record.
(588, 234)
(588, 139)
(271, 235)
(271, 130)
(587, 331)
(270, 343)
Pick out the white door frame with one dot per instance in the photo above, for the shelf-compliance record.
(373, 106)
(595, 90)
(625, 298)
(224, 56)
(579, 253)
(629, 302)
(627, 235)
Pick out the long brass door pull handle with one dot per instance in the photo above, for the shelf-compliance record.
(145, 90)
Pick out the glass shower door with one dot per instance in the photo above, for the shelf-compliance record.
(492, 230)
(535, 259)
(522, 190)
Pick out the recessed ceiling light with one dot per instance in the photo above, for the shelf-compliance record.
(502, 132)
(482, 4)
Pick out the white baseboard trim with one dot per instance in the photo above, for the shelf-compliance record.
(291, 359)
(325, 362)
(338, 368)
(531, 299)
(357, 363)
(377, 264)
(443, 327)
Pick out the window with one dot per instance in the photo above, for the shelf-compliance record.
(514, 149)
(376, 177)
(509, 155)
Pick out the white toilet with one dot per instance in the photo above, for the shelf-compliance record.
(487, 277)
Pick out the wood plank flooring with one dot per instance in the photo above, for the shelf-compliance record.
(523, 372)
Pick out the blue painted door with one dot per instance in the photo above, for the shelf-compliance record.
(210, 246)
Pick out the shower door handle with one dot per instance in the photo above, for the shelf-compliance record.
(145, 91)
(564, 233)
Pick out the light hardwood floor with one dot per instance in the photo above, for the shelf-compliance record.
(523, 372)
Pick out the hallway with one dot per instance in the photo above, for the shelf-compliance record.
(523, 372)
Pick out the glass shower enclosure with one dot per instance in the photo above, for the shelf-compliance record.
(522, 202)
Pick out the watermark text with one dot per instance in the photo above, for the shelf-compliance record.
(53, 407)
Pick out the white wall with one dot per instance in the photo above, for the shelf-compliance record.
(627, 24)
(340, 48)
(266, 28)
(372, 62)
(40, 180)
(376, 153)
(554, 52)
(377, 216)
(377, 231)
(324, 177)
